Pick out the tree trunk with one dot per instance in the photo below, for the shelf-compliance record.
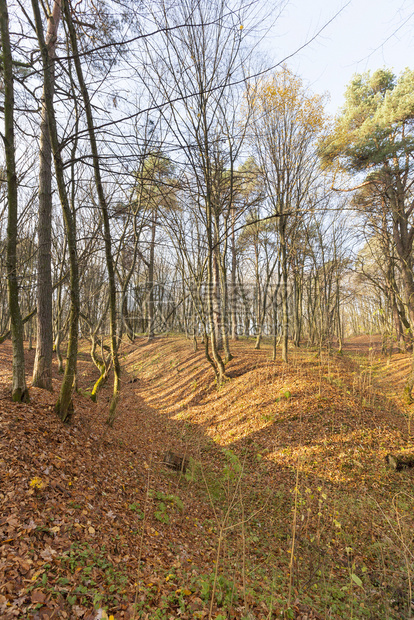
(151, 279)
(213, 287)
(217, 299)
(338, 317)
(104, 211)
(274, 343)
(285, 310)
(258, 301)
(19, 390)
(297, 309)
(224, 309)
(274, 308)
(42, 371)
(397, 325)
(233, 296)
(64, 405)
(408, 282)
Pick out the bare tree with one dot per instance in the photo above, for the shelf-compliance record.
(192, 63)
(287, 121)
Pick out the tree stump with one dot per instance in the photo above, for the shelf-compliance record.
(400, 461)
(173, 461)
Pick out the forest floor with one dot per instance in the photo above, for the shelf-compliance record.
(287, 508)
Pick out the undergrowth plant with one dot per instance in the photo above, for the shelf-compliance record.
(92, 579)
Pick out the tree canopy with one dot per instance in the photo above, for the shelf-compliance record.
(374, 126)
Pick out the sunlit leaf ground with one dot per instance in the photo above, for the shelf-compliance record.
(287, 508)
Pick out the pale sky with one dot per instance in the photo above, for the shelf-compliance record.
(367, 35)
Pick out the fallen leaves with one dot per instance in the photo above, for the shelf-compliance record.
(89, 527)
(48, 554)
(37, 596)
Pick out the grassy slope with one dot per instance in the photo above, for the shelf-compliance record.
(287, 504)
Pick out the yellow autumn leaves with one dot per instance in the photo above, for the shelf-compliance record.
(36, 483)
(283, 97)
